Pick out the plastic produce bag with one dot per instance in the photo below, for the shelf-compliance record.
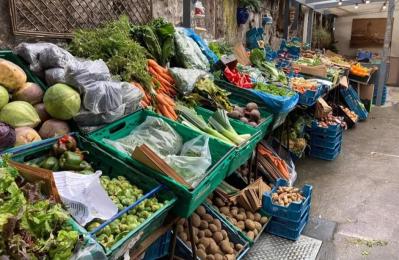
(203, 46)
(81, 73)
(193, 161)
(55, 75)
(186, 78)
(30, 53)
(102, 96)
(88, 118)
(55, 57)
(254, 73)
(158, 135)
(284, 154)
(131, 97)
(277, 104)
(188, 53)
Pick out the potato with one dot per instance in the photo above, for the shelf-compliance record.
(238, 247)
(226, 248)
(201, 234)
(195, 231)
(219, 202)
(196, 220)
(205, 241)
(234, 221)
(210, 257)
(241, 225)
(225, 210)
(203, 224)
(230, 257)
(210, 202)
(201, 211)
(213, 228)
(207, 218)
(255, 232)
(217, 236)
(258, 226)
(234, 212)
(218, 224)
(208, 233)
(212, 248)
(188, 243)
(257, 216)
(12, 76)
(179, 228)
(263, 220)
(241, 210)
(251, 235)
(250, 215)
(181, 222)
(201, 246)
(218, 256)
(249, 224)
(201, 254)
(241, 216)
(224, 233)
(183, 236)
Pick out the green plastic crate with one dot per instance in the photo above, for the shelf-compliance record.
(10, 56)
(244, 151)
(188, 200)
(245, 96)
(112, 167)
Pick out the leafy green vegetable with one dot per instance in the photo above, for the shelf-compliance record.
(113, 43)
(268, 69)
(220, 48)
(220, 121)
(33, 228)
(158, 38)
(273, 89)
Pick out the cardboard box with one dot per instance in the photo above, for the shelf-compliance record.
(317, 71)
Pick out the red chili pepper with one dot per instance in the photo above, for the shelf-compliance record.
(241, 80)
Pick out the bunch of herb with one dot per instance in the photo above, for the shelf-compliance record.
(273, 89)
(113, 43)
(158, 38)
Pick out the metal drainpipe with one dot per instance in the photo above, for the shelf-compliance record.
(382, 75)
(187, 7)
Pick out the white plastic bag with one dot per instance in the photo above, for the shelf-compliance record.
(193, 161)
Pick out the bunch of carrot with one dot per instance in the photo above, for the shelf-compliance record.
(279, 164)
(161, 98)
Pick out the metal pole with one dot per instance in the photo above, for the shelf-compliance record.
(386, 52)
(187, 7)
(286, 18)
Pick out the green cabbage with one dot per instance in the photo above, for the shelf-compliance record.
(4, 97)
(19, 114)
(61, 101)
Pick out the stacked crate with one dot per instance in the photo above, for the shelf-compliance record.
(325, 142)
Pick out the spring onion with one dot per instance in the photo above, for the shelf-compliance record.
(220, 121)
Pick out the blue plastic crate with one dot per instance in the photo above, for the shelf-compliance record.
(352, 100)
(292, 224)
(330, 131)
(323, 153)
(310, 97)
(281, 230)
(159, 248)
(325, 141)
(292, 212)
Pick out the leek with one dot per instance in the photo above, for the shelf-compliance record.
(220, 121)
(198, 122)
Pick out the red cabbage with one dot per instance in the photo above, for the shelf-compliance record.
(7, 135)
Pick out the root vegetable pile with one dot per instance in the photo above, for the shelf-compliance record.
(249, 114)
(285, 195)
(352, 115)
(251, 223)
(211, 239)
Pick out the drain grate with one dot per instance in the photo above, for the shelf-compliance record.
(269, 247)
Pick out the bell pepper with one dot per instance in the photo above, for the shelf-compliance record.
(241, 80)
(70, 161)
(63, 144)
(50, 163)
(85, 166)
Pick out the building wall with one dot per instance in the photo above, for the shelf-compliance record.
(343, 32)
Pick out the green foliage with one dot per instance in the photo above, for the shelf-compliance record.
(113, 43)
(321, 38)
(220, 48)
(253, 5)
